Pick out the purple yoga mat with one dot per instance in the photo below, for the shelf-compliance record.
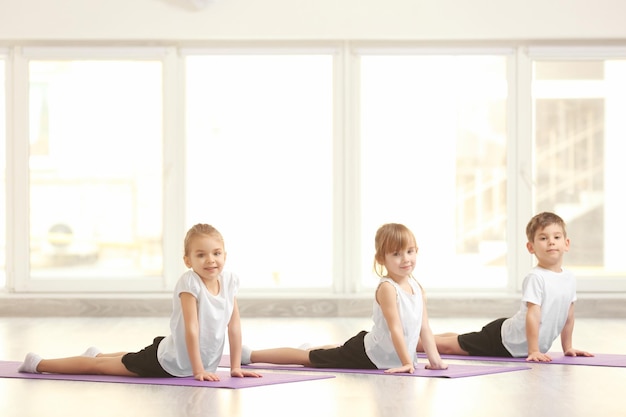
(9, 370)
(558, 358)
(453, 371)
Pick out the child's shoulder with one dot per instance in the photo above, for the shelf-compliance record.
(188, 277)
(230, 280)
(539, 277)
(229, 275)
(543, 272)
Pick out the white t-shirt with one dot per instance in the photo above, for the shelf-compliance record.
(378, 344)
(554, 292)
(214, 313)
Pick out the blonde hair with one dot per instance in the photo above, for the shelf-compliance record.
(201, 229)
(391, 237)
(540, 222)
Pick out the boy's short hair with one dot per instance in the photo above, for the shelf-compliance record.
(541, 221)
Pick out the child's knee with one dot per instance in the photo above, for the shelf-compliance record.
(448, 345)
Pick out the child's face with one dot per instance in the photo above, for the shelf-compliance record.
(548, 246)
(206, 256)
(400, 264)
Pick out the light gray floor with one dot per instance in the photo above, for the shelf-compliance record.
(545, 390)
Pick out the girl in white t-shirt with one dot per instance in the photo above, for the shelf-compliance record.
(400, 319)
(204, 310)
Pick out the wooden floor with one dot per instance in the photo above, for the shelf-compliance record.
(545, 390)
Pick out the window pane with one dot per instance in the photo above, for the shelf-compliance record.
(578, 158)
(259, 163)
(3, 207)
(95, 169)
(433, 132)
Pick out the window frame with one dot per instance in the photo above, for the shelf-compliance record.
(346, 178)
(402, 49)
(4, 62)
(526, 57)
(19, 278)
(337, 52)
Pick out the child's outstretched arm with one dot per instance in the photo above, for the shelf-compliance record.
(234, 340)
(566, 336)
(428, 342)
(192, 331)
(533, 318)
(386, 298)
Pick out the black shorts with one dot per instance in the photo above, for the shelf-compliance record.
(145, 363)
(350, 355)
(487, 342)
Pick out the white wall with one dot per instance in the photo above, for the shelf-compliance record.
(168, 20)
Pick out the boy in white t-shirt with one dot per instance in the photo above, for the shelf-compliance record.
(546, 310)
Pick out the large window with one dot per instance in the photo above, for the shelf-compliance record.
(433, 142)
(94, 173)
(259, 163)
(298, 154)
(579, 133)
(3, 249)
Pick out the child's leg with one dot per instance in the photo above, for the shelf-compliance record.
(447, 344)
(111, 355)
(281, 356)
(93, 352)
(420, 346)
(310, 348)
(101, 365)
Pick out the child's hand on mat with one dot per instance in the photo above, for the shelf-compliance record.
(206, 376)
(409, 368)
(439, 366)
(576, 352)
(538, 357)
(239, 373)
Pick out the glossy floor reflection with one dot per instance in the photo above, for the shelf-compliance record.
(545, 390)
